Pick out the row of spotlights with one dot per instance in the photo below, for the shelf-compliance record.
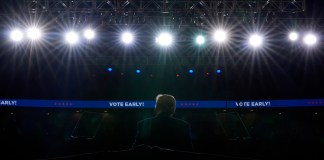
(190, 71)
(35, 33)
(73, 37)
(164, 39)
(309, 39)
(32, 33)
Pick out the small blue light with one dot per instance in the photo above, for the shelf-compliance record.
(191, 71)
(138, 71)
(218, 71)
(109, 69)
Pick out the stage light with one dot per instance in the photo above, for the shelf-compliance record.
(34, 33)
(293, 36)
(220, 36)
(16, 35)
(72, 37)
(218, 71)
(89, 34)
(200, 40)
(191, 71)
(255, 40)
(310, 39)
(109, 69)
(164, 39)
(138, 71)
(127, 37)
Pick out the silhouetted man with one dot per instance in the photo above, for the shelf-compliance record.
(164, 130)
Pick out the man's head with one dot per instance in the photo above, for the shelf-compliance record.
(165, 104)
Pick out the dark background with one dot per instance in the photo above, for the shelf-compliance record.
(227, 134)
(53, 70)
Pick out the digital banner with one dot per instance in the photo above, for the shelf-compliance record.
(151, 104)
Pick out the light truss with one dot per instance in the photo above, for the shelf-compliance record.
(206, 7)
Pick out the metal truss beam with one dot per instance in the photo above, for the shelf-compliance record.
(206, 7)
(182, 12)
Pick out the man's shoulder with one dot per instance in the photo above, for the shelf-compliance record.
(145, 120)
(180, 121)
(167, 119)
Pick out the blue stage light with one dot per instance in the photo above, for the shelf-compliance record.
(138, 71)
(191, 71)
(218, 71)
(109, 69)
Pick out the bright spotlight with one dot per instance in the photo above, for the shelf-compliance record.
(34, 33)
(71, 37)
(310, 39)
(200, 40)
(16, 35)
(164, 39)
(127, 37)
(89, 34)
(293, 36)
(220, 36)
(255, 40)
